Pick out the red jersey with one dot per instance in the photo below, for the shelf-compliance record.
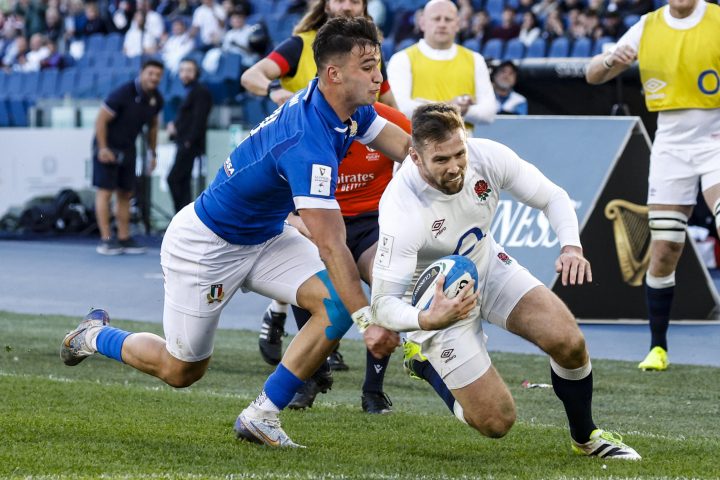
(364, 173)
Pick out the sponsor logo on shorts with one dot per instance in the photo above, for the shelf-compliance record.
(505, 258)
(447, 355)
(216, 293)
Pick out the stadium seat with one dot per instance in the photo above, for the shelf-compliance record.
(13, 86)
(18, 113)
(114, 42)
(659, 3)
(536, 49)
(514, 50)
(104, 84)
(230, 67)
(493, 48)
(255, 109)
(4, 114)
(66, 83)
(3, 80)
(84, 86)
(473, 44)
(631, 20)
(405, 44)
(559, 47)
(581, 48)
(48, 83)
(102, 60)
(494, 8)
(95, 43)
(388, 48)
(598, 46)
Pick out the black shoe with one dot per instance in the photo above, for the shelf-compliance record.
(271, 335)
(337, 364)
(320, 382)
(374, 402)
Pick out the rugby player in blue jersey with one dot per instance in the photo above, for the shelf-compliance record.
(234, 237)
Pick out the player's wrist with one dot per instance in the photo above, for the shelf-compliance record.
(607, 63)
(272, 86)
(362, 318)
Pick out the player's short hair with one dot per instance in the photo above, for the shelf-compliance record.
(435, 122)
(152, 62)
(340, 35)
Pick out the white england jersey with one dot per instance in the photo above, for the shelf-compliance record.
(419, 224)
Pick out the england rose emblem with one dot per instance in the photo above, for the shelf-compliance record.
(504, 258)
(482, 189)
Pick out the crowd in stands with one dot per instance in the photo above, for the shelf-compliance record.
(54, 34)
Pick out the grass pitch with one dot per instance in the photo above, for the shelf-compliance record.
(103, 419)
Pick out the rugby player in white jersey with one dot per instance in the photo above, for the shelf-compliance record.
(442, 202)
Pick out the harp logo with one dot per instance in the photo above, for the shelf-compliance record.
(632, 239)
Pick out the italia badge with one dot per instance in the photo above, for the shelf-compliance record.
(216, 293)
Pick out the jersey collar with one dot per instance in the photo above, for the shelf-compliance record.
(317, 99)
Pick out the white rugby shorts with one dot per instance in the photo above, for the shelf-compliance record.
(459, 353)
(202, 273)
(674, 174)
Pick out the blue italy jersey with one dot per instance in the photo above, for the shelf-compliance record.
(290, 160)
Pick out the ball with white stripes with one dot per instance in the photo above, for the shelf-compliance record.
(458, 271)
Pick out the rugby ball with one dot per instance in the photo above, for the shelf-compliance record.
(458, 271)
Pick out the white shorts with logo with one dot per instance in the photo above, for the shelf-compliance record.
(459, 353)
(202, 273)
(674, 174)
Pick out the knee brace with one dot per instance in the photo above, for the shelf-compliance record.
(667, 225)
(340, 319)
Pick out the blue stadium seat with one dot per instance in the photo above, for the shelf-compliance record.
(631, 20)
(581, 48)
(66, 83)
(114, 42)
(103, 84)
(405, 44)
(659, 3)
(494, 9)
(4, 114)
(493, 48)
(255, 109)
(48, 83)
(30, 85)
(13, 86)
(3, 80)
(559, 47)
(230, 67)
(536, 49)
(473, 44)
(388, 48)
(18, 113)
(598, 46)
(85, 84)
(121, 76)
(514, 50)
(95, 43)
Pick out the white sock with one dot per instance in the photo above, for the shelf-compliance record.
(91, 336)
(458, 411)
(278, 307)
(263, 403)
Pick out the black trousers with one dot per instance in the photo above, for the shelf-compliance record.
(180, 177)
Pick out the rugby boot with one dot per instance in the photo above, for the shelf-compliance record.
(74, 348)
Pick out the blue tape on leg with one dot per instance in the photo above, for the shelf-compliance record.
(110, 341)
(340, 319)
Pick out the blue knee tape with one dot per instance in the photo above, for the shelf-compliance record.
(340, 319)
(281, 385)
(110, 341)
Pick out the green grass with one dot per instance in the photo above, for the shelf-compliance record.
(105, 419)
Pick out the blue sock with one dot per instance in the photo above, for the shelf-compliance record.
(281, 385)
(659, 302)
(426, 371)
(109, 342)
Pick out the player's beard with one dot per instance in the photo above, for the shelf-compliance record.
(449, 187)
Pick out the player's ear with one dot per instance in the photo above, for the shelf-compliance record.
(414, 155)
(334, 74)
